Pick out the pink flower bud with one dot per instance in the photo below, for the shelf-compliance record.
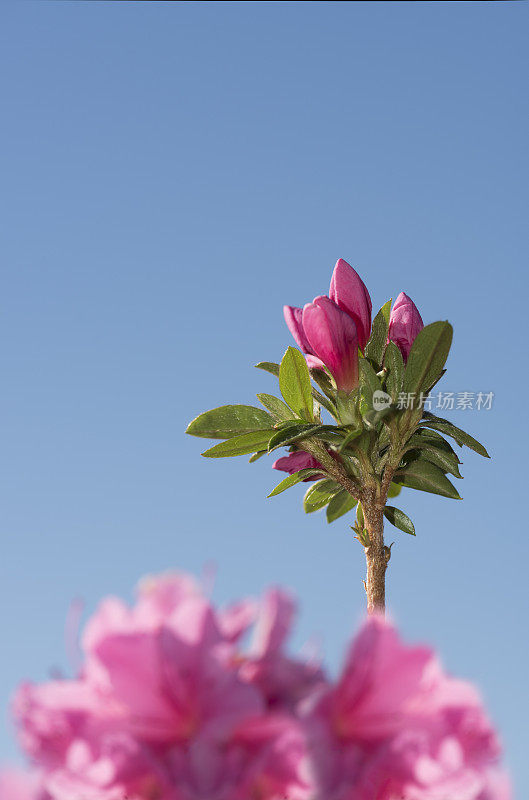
(405, 323)
(296, 461)
(294, 319)
(332, 337)
(350, 293)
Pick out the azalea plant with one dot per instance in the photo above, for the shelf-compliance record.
(172, 703)
(353, 414)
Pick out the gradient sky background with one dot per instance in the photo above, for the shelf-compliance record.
(171, 175)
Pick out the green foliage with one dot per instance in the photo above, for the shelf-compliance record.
(462, 438)
(394, 363)
(366, 440)
(426, 477)
(228, 421)
(379, 334)
(368, 381)
(446, 461)
(269, 366)
(292, 480)
(294, 382)
(292, 433)
(340, 504)
(427, 357)
(240, 445)
(319, 494)
(399, 519)
(277, 408)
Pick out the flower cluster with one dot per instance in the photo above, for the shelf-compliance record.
(169, 705)
(332, 329)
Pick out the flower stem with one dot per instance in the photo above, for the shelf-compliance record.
(377, 557)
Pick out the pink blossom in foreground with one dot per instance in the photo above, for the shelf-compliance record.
(283, 680)
(20, 785)
(169, 705)
(405, 323)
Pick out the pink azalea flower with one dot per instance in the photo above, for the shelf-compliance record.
(350, 294)
(51, 715)
(297, 461)
(169, 707)
(19, 785)
(284, 681)
(114, 768)
(395, 725)
(333, 338)
(381, 678)
(405, 323)
(174, 680)
(264, 757)
(294, 319)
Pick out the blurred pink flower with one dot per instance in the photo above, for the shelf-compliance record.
(264, 758)
(169, 705)
(283, 680)
(21, 785)
(394, 725)
(174, 680)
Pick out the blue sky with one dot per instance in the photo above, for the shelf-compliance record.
(172, 174)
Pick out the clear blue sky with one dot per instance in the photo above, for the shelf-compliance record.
(171, 175)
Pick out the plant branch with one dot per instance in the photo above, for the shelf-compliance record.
(335, 469)
(377, 554)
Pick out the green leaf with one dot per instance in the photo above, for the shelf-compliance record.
(276, 407)
(273, 369)
(427, 357)
(294, 382)
(394, 362)
(431, 446)
(424, 437)
(320, 494)
(340, 504)
(291, 434)
(360, 515)
(426, 477)
(240, 445)
(268, 366)
(446, 461)
(394, 490)
(257, 456)
(462, 438)
(369, 384)
(324, 382)
(399, 519)
(379, 334)
(228, 421)
(350, 437)
(292, 480)
(368, 376)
